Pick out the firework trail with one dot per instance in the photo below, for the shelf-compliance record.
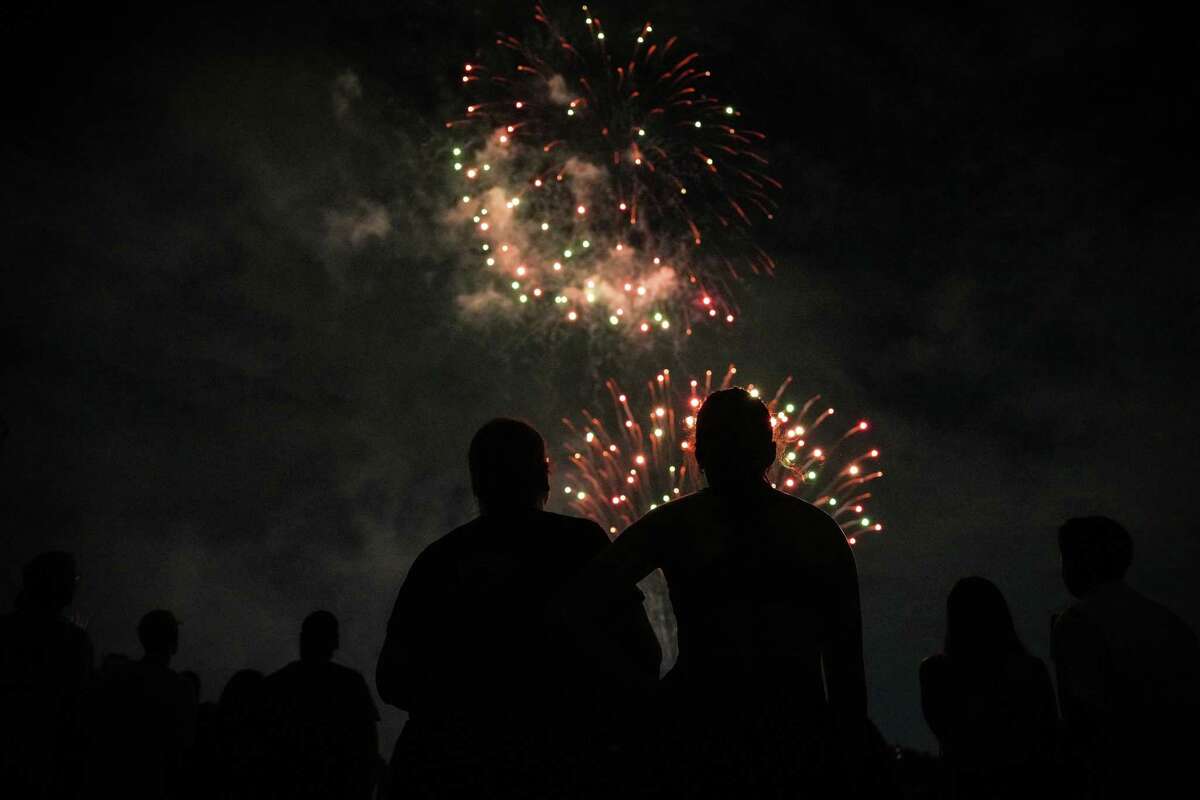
(601, 185)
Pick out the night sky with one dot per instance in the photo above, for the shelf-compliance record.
(236, 386)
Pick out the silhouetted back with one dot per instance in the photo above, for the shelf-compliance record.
(769, 680)
(1128, 669)
(203, 764)
(45, 661)
(498, 698)
(752, 577)
(242, 765)
(770, 663)
(501, 700)
(144, 723)
(321, 721)
(990, 703)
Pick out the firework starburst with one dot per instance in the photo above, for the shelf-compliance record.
(640, 454)
(601, 183)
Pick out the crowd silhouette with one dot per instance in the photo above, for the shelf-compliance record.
(519, 647)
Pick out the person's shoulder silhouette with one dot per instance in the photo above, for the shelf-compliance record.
(989, 702)
(319, 686)
(482, 587)
(145, 724)
(241, 733)
(323, 720)
(765, 594)
(38, 645)
(737, 548)
(469, 650)
(1128, 668)
(45, 663)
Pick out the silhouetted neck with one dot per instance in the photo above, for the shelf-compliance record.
(157, 659)
(1104, 589)
(735, 487)
(508, 511)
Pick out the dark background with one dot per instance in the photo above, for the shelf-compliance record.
(232, 395)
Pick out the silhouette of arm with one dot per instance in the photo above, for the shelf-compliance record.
(935, 701)
(403, 676)
(627, 623)
(595, 607)
(842, 653)
(84, 663)
(637, 637)
(1045, 710)
(191, 712)
(367, 736)
(1079, 659)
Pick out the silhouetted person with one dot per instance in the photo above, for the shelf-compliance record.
(1128, 670)
(45, 661)
(147, 722)
(501, 702)
(322, 721)
(242, 767)
(988, 701)
(768, 690)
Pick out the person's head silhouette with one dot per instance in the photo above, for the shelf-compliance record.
(318, 636)
(734, 439)
(158, 631)
(979, 626)
(1095, 551)
(509, 468)
(48, 583)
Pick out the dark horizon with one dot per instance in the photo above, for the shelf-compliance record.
(986, 247)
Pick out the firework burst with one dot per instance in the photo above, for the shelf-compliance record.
(640, 456)
(602, 184)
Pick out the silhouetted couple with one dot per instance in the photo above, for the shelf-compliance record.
(520, 648)
(1128, 674)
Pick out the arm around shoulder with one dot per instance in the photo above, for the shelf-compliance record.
(935, 700)
(845, 674)
(604, 583)
(601, 607)
(1079, 655)
(399, 671)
